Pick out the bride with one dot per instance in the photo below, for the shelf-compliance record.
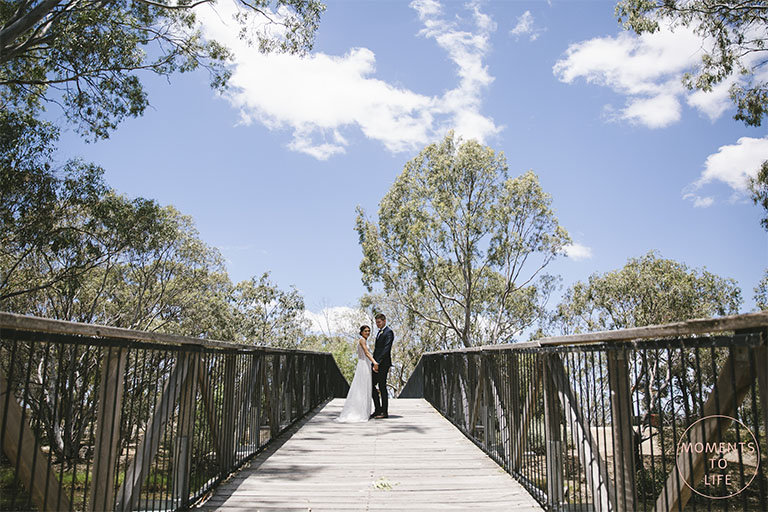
(359, 403)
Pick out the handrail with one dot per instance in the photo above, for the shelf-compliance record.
(595, 421)
(100, 418)
(46, 325)
(677, 329)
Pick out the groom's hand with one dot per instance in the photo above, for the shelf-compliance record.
(376, 367)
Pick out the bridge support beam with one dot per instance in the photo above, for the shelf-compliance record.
(594, 465)
(732, 385)
(108, 429)
(21, 447)
(622, 432)
(553, 422)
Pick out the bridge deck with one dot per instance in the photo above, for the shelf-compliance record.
(414, 460)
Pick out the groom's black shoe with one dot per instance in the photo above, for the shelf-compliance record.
(381, 416)
(373, 415)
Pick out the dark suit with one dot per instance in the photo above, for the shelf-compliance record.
(382, 354)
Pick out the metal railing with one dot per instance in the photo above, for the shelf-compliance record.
(97, 418)
(654, 419)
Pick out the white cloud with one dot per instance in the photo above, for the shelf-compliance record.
(715, 102)
(734, 164)
(699, 201)
(466, 49)
(654, 112)
(525, 26)
(646, 69)
(320, 97)
(578, 251)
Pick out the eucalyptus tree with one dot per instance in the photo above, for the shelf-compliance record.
(146, 269)
(343, 348)
(414, 335)
(85, 55)
(267, 315)
(648, 290)
(761, 293)
(56, 228)
(734, 34)
(457, 233)
(651, 290)
(759, 188)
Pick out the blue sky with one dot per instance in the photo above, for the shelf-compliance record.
(272, 171)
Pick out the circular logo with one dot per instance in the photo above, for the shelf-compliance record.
(719, 477)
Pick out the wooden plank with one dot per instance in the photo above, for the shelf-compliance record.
(273, 392)
(229, 420)
(414, 460)
(41, 480)
(248, 425)
(182, 453)
(736, 369)
(514, 411)
(622, 430)
(107, 429)
(553, 421)
(761, 361)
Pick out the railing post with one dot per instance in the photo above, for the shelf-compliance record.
(485, 376)
(182, 451)
(256, 399)
(274, 393)
(761, 361)
(107, 429)
(553, 422)
(622, 431)
(289, 388)
(228, 422)
(513, 408)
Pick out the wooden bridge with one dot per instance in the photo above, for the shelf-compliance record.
(97, 418)
(413, 460)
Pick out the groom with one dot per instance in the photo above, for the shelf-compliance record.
(382, 354)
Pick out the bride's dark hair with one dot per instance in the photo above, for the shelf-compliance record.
(364, 327)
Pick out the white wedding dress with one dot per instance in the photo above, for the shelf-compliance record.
(359, 403)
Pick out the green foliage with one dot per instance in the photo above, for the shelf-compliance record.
(647, 291)
(84, 56)
(343, 349)
(94, 256)
(761, 293)
(267, 315)
(55, 228)
(461, 245)
(733, 32)
(650, 291)
(413, 336)
(759, 188)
